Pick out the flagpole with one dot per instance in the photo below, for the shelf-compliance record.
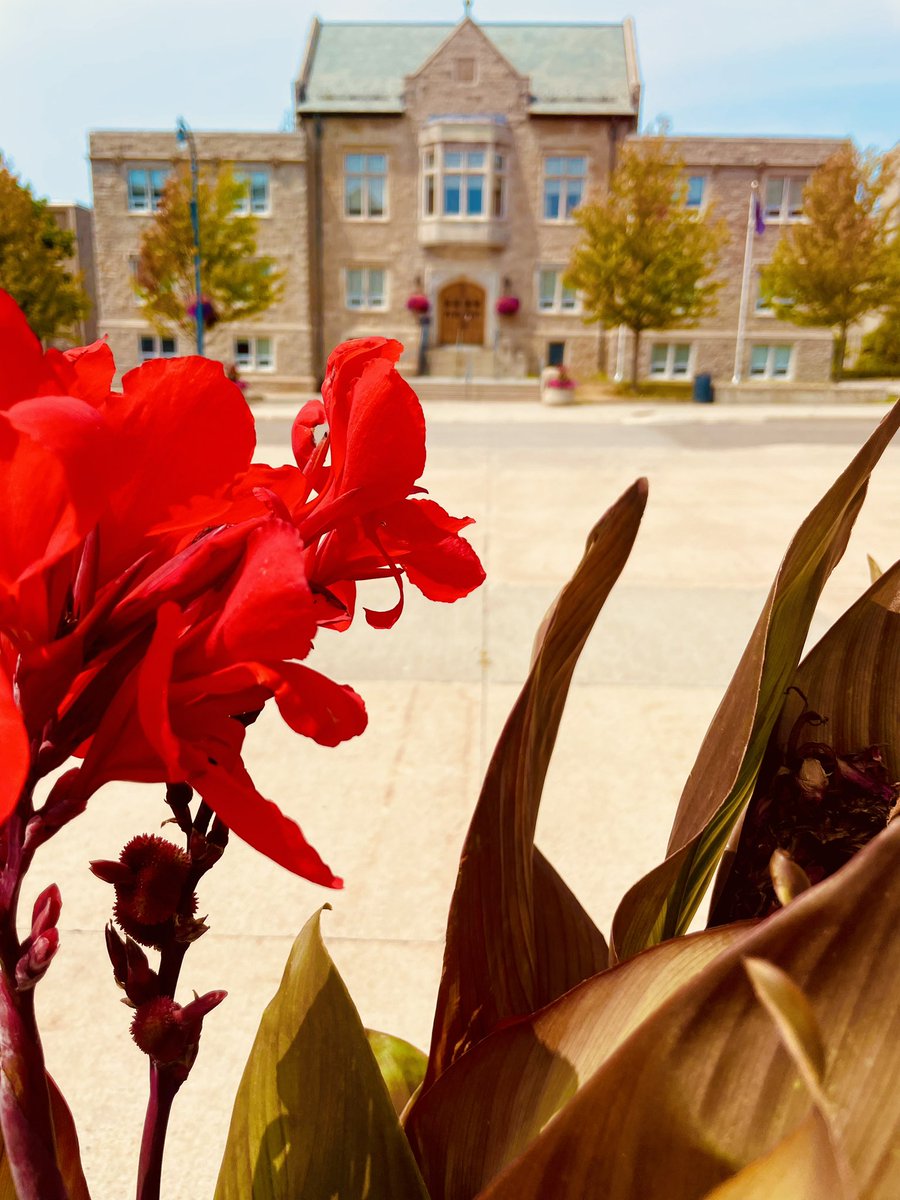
(745, 283)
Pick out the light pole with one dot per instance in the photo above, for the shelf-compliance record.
(186, 138)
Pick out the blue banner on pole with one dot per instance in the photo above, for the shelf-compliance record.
(758, 215)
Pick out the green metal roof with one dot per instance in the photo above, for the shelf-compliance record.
(361, 66)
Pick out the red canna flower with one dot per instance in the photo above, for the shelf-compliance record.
(155, 587)
(350, 496)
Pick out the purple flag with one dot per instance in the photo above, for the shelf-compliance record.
(758, 214)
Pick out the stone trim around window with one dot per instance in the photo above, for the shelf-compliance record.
(144, 188)
(695, 193)
(365, 289)
(552, 297)
(365, 185)
(254, 353)
(783, 198)
(258, 200)
(153, 345)
(464, 181)
(564, 185)
(670, 360)
(771, 361)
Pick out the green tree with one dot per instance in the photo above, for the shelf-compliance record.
(837, 264)
(235, 280)
(34, 252)
(645, 260)
(880, 353)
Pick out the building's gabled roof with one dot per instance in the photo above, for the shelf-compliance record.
(361, 66)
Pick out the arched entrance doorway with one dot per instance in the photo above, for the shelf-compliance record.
(461, 314)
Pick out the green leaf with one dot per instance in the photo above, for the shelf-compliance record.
(722, 780)
(402, 1066)
(68, 1155)
(516, 936)
(312, 1115)
(490, 1104)
(704, 1086)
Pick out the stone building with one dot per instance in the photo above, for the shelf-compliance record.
(129, 172)
(76, 219)
(721, 171)
(443, 162)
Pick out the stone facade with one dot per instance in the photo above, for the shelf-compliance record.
(728, 167)
(465, 95)
(436, 161)
(76, 219)
(282, 233)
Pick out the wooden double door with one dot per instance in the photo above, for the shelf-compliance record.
(461, 314)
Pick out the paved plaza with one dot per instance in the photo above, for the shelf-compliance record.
(389, 811)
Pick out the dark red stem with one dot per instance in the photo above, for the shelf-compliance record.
(26, 1121)
(164, 1085)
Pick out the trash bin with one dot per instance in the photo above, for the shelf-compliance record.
(703, 388)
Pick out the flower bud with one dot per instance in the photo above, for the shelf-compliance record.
(37, 956)
(150, 880)
(169, 1033)
(45, 914)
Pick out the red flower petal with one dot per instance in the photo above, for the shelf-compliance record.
(267, 614)
(259, 822)
(154, 676)
(183, 433)
(21, 355)
(53, 454)
(421, 537)
(14, 741)
(85, 372)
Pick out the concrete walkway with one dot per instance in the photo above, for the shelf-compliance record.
(390, 810)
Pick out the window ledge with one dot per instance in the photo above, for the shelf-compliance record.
(455, 231)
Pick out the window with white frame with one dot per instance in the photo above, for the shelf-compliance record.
(784, 197)
(463, 182)
(553, 296)
(365, 186)
(670, 360)
(364, 287)
(254, 353)
(255, 198)
(151, 345)
(145, 188)
(696, 186)
(770, 362)
(564, 180)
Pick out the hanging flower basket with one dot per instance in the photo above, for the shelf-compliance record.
(419, 304)
(508, 306)
(208, 309)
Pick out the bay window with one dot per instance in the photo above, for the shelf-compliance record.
(463, 182)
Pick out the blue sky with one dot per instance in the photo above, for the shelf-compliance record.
(711, 66)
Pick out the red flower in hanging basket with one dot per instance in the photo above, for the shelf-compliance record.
(417, 303)
(508, 306)
(208, 309)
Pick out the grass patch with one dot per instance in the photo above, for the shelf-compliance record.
(654, 390)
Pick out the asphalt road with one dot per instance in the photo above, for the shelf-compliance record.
(631, 432)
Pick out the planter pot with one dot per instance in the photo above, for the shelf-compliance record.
(557, 396)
